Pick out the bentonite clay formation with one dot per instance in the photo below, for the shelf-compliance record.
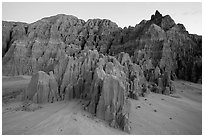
(100, 80)
(100, 62)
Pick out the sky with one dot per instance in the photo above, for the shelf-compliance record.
(122, 13)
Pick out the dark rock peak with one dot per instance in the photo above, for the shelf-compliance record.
(157, 15)
(165, 22)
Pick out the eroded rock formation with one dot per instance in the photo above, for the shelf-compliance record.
(100, 62)
(98, 79)
(42, 88)
(28, 48)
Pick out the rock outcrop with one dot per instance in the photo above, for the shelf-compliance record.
(109, 92)
(98, 79)
(28, 48)
(161, 43)
(99, 62)
(42, 88)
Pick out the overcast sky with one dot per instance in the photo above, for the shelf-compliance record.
(124, 14)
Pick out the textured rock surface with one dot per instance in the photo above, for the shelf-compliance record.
(28, 48)
(98, 79)
(137, 81)
(109, 96)
(99, 62)
(42, 88)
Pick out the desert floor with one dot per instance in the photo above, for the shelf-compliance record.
(155, 114)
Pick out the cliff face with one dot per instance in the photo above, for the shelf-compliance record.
(163, 43)
(28, 48)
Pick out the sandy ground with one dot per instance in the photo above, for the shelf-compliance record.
(154, 114)
(14, 84)
(161, 114)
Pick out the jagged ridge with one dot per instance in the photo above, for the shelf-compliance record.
(105, 36)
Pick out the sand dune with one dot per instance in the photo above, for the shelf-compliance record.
(154, 114)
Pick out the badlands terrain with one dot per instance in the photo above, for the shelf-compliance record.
(64, 75)
(155, 114)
